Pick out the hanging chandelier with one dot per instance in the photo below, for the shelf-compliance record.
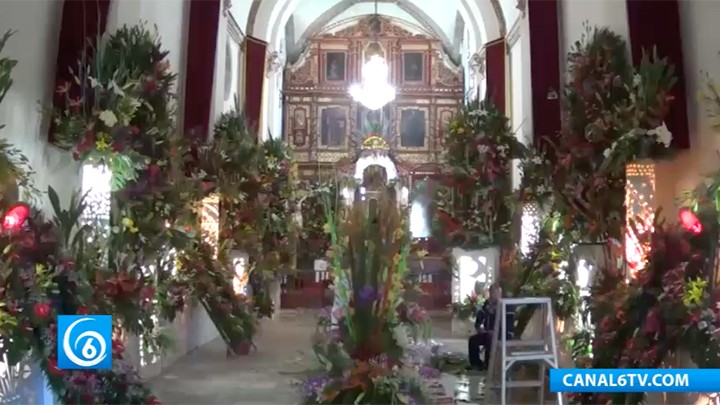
(374, 92)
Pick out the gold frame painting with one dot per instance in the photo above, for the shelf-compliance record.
(322, 125)
(427, 140)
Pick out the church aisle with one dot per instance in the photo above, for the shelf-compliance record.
(206, 376)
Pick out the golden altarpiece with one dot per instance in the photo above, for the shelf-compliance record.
(326, 128)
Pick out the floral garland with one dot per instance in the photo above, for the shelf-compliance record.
(475, 202)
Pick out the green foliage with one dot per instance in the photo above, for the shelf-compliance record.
(15, 168)
(6, 67)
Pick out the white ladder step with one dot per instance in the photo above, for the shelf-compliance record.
(509, 352)
(529, 357)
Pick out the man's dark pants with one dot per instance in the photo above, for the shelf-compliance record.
(483, 339)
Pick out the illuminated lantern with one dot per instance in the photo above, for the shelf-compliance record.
(15, 217)
(690, 221)
(640, 206)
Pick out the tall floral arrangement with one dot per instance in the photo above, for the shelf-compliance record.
(255, 183)
(476, 203)
(363, 353)
(614, 115)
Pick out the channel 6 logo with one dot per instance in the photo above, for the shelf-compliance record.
(84, 342)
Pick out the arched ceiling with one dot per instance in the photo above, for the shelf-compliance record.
(312, 18)
(484, 20)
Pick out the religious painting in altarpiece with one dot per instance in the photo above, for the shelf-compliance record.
(325, 127)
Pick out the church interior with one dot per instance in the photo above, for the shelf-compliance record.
(356, 201)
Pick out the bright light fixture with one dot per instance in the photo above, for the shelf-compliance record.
(374, 91)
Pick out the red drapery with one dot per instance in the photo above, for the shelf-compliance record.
(495, 72)
(657, 23)
(200, 70)
(545, 71)
(255, 56)
(82, 22)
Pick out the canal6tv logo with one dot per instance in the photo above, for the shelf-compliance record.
(84, 342)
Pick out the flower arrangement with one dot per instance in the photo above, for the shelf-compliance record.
(544, 271)
(116, 110)
(666, 308)
(206, 275)
(314, 239)
(475, 201)
(469, 306)
(40, 282)
(361, 345)
(255, 183)
(614, 116)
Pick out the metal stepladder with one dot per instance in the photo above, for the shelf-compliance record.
(509, 351)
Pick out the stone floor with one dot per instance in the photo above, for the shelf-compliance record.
(267, 376)
(206, 376)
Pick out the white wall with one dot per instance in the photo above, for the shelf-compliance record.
(701, 47)
(603, 13)
(34, 46)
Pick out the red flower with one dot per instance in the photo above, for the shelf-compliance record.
(150, 85)
(605, 324)
(42, 310)
(52, 366)
(118, 348)
(134, 130)
(153, 171)
(83, 311)
(652, 322)
(690, 221)
(152, 400)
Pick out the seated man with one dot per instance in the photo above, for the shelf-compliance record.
(484, 325)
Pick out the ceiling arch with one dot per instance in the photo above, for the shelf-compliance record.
(484, 18)
(411, 9)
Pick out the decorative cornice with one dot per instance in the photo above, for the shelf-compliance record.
(226, 5)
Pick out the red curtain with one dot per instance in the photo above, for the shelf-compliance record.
(657, 23)
(495, 72)
(544, 61)
(255, 56)
(82, 22)
(200, 70)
